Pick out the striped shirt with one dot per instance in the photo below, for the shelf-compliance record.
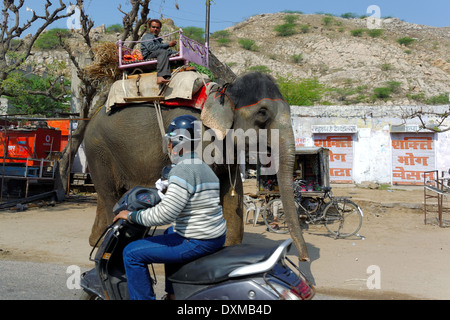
(191, 202)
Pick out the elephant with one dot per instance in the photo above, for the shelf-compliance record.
(124, 149)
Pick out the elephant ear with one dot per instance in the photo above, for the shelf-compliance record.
(218, 111)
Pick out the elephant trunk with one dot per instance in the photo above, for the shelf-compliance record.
(285, 178)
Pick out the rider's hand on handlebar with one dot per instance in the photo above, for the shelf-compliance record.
(121, 215)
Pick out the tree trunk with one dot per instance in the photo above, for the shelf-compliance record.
(62, 173)
(222, 73)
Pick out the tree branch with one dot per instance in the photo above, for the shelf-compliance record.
(15, 31)
(437, 127)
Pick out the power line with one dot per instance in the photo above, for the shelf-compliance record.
(190, 20)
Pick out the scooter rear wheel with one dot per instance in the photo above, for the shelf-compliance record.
(85, 295)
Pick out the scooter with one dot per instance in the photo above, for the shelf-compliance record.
(240, 272)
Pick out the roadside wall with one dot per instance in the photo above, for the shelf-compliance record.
(380, 144)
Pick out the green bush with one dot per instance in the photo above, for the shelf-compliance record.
(25, 103)
(221, 34)
(386, 67)
(382, 93)
(286, 30)
(301, 92)
(260, 68)
(438, 100)
(327, 21)
(248, 44)
(357, 32)
(394, 86)
(304, 28)
(292, 11)
(290, 19)
(114, 28)
(349, 15)
(375, 33)
(50, 40)
(406, 41)
(195, 33)
(222, 37)
(223, 42)
(297, 58)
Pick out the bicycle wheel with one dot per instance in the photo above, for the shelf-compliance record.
(343, 218)
(274, 216)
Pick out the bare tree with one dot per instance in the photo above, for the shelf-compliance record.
(438, 119)
(12, 29)
(94, 92)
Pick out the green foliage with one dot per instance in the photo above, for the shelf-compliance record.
(439, 99)
(223, 42)
(297, 58)
(301, 92)
(222, 37)
(348, 94)
(292, 11)
(327, 21)
(286, 30)
(248, 44)
(375, 33)
(195, 33)
(349, 15)
(49, 39)
(290, 19)
(18, 86)
(304, 28)
(357, 32)
(260, 68)
(394, 86)
(203, 70)
(382, 93)
(114, 28)
(406, 41)
(385, 92)
(386, 67)
(221, 34)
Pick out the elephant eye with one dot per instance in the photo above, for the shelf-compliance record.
(262, 112)
(262, 117)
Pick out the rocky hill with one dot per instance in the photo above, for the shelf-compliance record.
(344, 56)
(353, 65)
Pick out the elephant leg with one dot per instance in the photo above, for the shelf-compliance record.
(233, 210)
(100, 222)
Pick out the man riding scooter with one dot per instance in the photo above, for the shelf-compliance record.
(191, 203)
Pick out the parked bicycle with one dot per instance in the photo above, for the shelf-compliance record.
(341, 216)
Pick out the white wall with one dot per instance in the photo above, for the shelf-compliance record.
(372, 139)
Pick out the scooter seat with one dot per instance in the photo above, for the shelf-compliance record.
(217, 266)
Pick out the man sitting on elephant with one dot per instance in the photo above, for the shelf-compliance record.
(191, 203)
(153, 47)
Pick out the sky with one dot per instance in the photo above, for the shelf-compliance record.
(226, 13)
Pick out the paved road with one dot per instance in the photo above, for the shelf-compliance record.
(38, 281)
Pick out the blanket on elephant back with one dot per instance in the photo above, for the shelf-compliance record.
(185, 89)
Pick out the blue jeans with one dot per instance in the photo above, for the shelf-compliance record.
(169, 248)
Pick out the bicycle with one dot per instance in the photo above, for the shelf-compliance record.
(341, 216)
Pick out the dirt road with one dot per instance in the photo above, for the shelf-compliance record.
(397, 252)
